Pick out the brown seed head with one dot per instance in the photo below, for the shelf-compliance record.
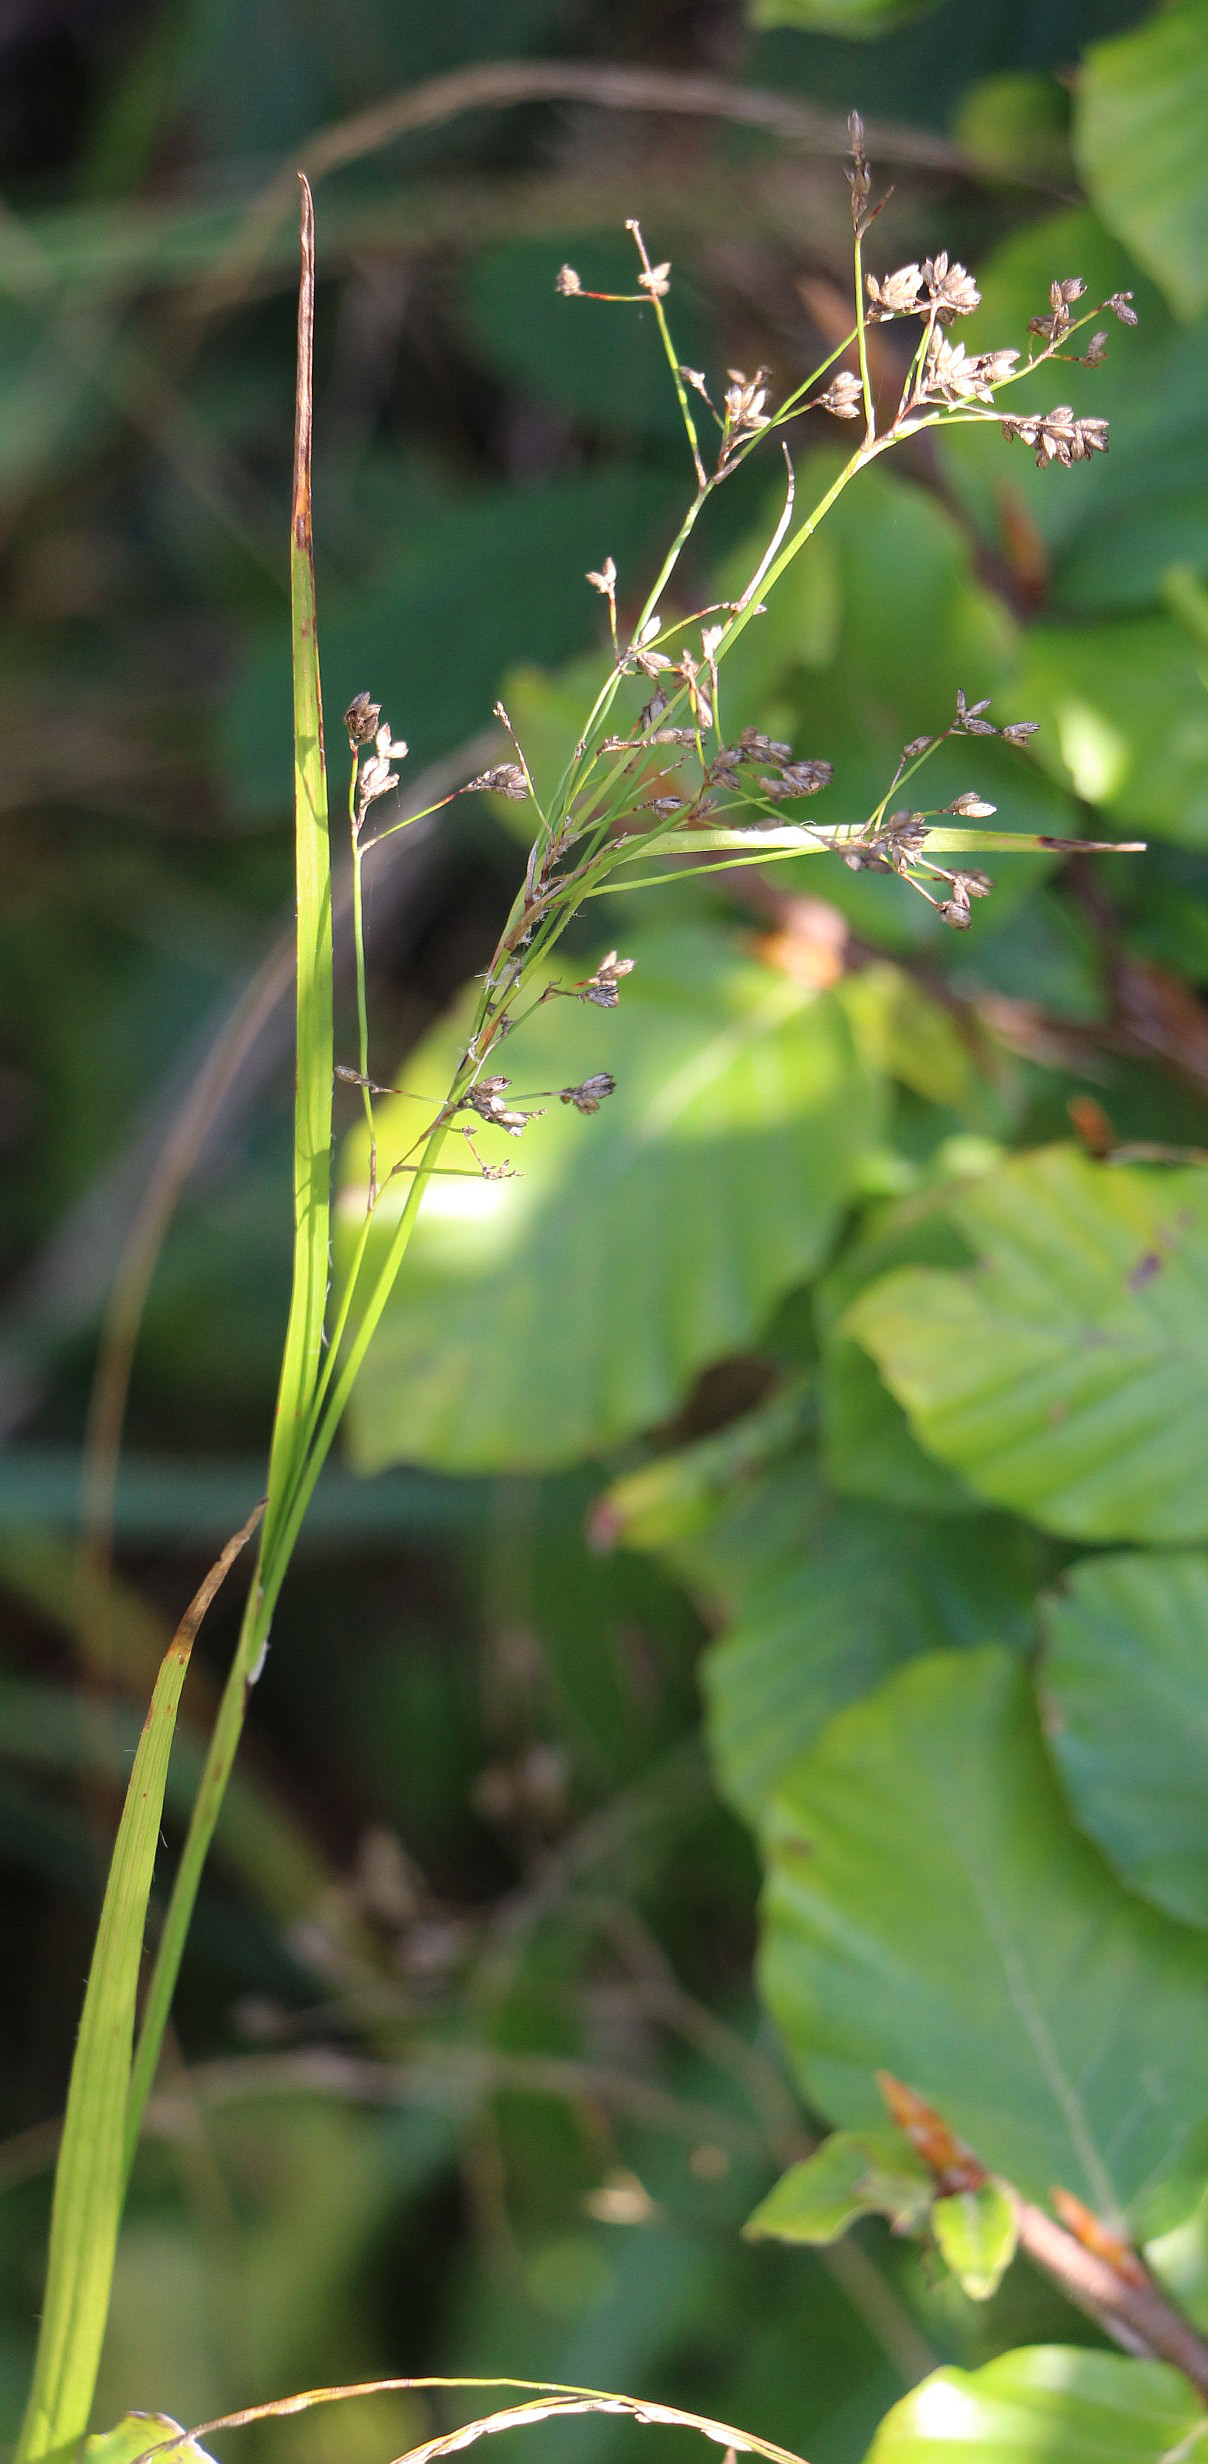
(362, 720)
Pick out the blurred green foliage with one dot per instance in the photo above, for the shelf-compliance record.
(713, 1504)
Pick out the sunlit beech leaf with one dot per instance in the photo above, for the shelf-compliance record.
(135, 2434)
(931, 1911)
(543, 1318)
(1065, 1376)
(1048, 2402)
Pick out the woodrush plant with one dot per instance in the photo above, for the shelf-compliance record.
(670, 791)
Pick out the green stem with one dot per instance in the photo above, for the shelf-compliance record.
(870, 417)
(228, 1728)
(681, 394)
(358, 935)
(249, 1651)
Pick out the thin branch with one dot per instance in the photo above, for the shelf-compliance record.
(1137, 2314)
(499, 85)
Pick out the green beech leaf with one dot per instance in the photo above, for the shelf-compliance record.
(868, 1446)
(1014, 121)
(854, 2173)
(1126, 1693)
(1124, 720)
(931, 1911)
(666, 1503)
(917, 1041)
(542, 1319)
(977, 2233)
(1048, 2404)
(863, 1588)
(1141, 143)
(1067, 1375)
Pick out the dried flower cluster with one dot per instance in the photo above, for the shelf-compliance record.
(744, 399)
(844, 396)
(897, 845)
(505, 778)
(1062, 295)
(859, 177)
(488, 1099)
(935, 288)
(375, 776)
(589, 1096)
(1057, 436)
(787, 776)
(602, 987)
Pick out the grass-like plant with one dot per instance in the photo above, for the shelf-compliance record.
(636, 804)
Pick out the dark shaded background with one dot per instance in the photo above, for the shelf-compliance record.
(476, 1836)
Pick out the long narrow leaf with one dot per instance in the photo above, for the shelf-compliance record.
(797, 838)
(90, 2178)
(313, 1093)
(312, 1206)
